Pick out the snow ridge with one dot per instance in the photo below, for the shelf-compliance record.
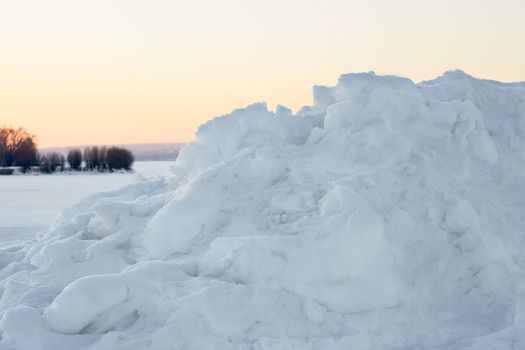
(387, 215)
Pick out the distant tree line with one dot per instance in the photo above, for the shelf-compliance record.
(50, 162)
(18, 148)
(101, 158)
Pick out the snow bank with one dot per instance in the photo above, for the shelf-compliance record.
(388, 215)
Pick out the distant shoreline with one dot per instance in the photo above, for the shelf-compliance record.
(141, 151)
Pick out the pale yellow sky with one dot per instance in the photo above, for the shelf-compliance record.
(126, 71)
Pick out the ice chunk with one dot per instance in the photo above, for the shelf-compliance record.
(81, 301)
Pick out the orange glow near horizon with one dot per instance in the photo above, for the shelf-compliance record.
(135, 71)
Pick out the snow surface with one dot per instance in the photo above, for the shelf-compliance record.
(30, 203)
(388, 215)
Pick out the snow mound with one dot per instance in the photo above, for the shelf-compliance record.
(387, 215)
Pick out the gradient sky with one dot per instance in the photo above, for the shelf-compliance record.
(128, 71)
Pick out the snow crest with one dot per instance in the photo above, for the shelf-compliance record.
(388, 215)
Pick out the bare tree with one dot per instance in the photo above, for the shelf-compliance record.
(4, 136)
(10, 140)
(119, 158)
(58, 160)
(95, 157)
(88, 163)
(25, 155)
(44, 164)
(103, 158)
(51, 162)
(74, 158)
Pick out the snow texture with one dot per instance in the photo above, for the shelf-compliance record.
(388, 215)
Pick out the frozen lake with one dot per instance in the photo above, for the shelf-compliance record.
(29, 203)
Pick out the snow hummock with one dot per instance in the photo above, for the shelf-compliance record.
(388, 215)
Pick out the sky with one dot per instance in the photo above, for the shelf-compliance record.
(77, 72)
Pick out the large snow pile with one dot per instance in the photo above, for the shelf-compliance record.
(388, 215)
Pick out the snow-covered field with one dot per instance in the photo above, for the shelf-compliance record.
(30, 203)
(388, 215)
